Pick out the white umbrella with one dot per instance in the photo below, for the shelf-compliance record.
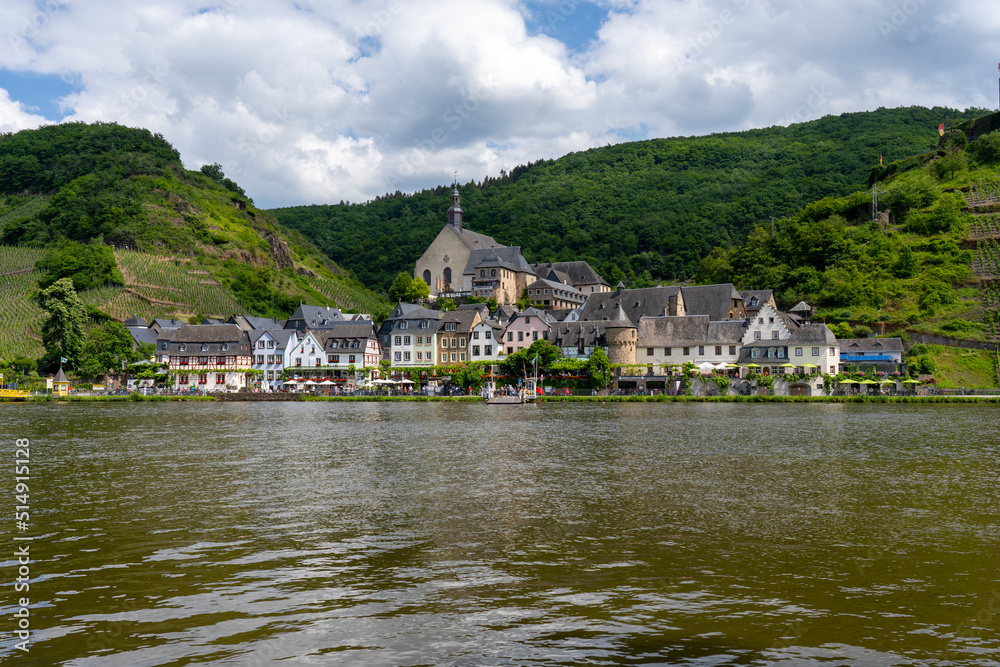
(290, 382)
(327, 382)
(706, 367)
(406, 382)
(310, 382)
(721, 366)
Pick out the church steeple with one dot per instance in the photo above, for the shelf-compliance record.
(455, 212)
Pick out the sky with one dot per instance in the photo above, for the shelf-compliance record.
(322, 101)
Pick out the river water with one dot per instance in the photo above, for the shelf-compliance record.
(466, 534)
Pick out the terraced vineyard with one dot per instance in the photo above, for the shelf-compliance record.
(20, 317)
(348, 297)
(159, 285)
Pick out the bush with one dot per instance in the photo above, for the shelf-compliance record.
(987, 147)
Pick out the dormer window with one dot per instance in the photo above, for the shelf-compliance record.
(225, 346)
(204, 347)
(753, 301)
(184, 347)
(402, 325)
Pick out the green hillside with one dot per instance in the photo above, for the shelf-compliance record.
(642, 212)
(928, 261)
(183, 243)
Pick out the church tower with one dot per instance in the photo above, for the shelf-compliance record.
(455, 212)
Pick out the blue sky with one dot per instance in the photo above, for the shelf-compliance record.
(315, 101)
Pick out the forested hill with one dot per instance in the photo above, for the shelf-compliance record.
(642, 211)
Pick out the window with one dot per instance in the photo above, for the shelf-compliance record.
(510, 337)
(718, 350)
(461, 357)
(534, 335)
(687, 351)
(270, 375)
(420, 356)
(220, 378)
(277, 358)
(520, 336)
(774, 335)
(427, 278)
(451, 326)
(260, 358)
(832, 353)
(270, 358)
(482, 273)
(488, 350)
(756, 335)
(475, 335)
(781, 353)
(182, 379)
(760, 320)
(402, 325)
(493, 273)
(163, 345)
(798, 352)
(447, 274)
(527, 320)
(753, 353)
(203, 378)
(649, 351)
(398, 340)
(406, 340)
(220, 361)
(453, 343)
(260, 346)
(334, 358)
(475, 350)
(423, 324)
(453, 356)
(770, 320)
(444, 342)
(461, 342)
(815, 351)
(351, 359)
(184, 361)
(184, 348)
(489, 335)
(406, 356)
(667, 351)
(732, 350)
(270, 344)
(399, 356)
(701, 350)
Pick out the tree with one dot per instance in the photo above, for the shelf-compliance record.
(62, 331)
(107, 347)
(469, 376)
(524, 301)
(599, 367)
(446, 305)
(90, 265)
(407, 288)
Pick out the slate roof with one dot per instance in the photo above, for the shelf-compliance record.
(504, 314)
(871, 345)
(407, 312)
(509, 257)
(571, 334)
(315, 317)
(61, 376)
(135, 321)
(816, 334)
(280, 336)
(353, 334)
(208, 333)
(542, 283)
(712, 300)
(681, 331)
(763, 296)
(249, 322)
(646, 302)
(144, 336)
(578, 273)
(464, 318)
(472, 240)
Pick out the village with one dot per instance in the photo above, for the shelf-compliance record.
(708, 339)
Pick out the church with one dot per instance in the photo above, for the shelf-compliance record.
(463, 263)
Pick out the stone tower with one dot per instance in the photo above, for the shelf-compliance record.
(455, 212)
(622, 336)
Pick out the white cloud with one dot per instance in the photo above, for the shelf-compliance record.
(14, 117)
(318, 100)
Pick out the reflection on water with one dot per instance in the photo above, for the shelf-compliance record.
(457, 534)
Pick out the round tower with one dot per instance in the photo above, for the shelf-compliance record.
(622, 337)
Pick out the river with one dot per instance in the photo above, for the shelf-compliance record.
(463, 534)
